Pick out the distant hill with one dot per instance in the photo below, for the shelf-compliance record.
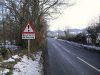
(75, 31)
(62, 33)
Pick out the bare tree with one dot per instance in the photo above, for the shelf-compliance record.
(37, 11)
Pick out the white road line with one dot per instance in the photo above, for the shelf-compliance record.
(59, 44)
(55, 46)
(66, 50)
(88, 64)
(63, 48)
(74, 54)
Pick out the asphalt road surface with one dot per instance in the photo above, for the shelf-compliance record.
(68, 59)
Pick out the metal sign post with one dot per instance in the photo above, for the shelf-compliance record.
(28, 33)
(28, 47)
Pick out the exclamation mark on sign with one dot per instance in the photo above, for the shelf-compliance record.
(28, 28)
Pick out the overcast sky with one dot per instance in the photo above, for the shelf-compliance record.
(78, 16)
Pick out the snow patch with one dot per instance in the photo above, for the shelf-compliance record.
(15, 57)
(86, 46)
(12, 59)
(4, 71)
(11, 47)
(91, 47)
(9, 60)
(29, 67)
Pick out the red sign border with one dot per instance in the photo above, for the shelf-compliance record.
(28, 22)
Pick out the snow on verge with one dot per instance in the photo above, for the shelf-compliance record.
(91, 47)
(4, 71)
(28, 66)
(12, 59)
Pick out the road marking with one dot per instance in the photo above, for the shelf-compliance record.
(88, 64)
(59, 44)
(55, 46)
(63, 48)
(74, 54)
(66, 50)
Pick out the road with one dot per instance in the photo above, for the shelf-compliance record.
(68, 59)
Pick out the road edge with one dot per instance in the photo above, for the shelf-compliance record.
(45, 59)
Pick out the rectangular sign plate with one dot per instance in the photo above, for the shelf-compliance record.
(28, 36)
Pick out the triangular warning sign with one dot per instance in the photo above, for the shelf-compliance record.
(28, 28)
